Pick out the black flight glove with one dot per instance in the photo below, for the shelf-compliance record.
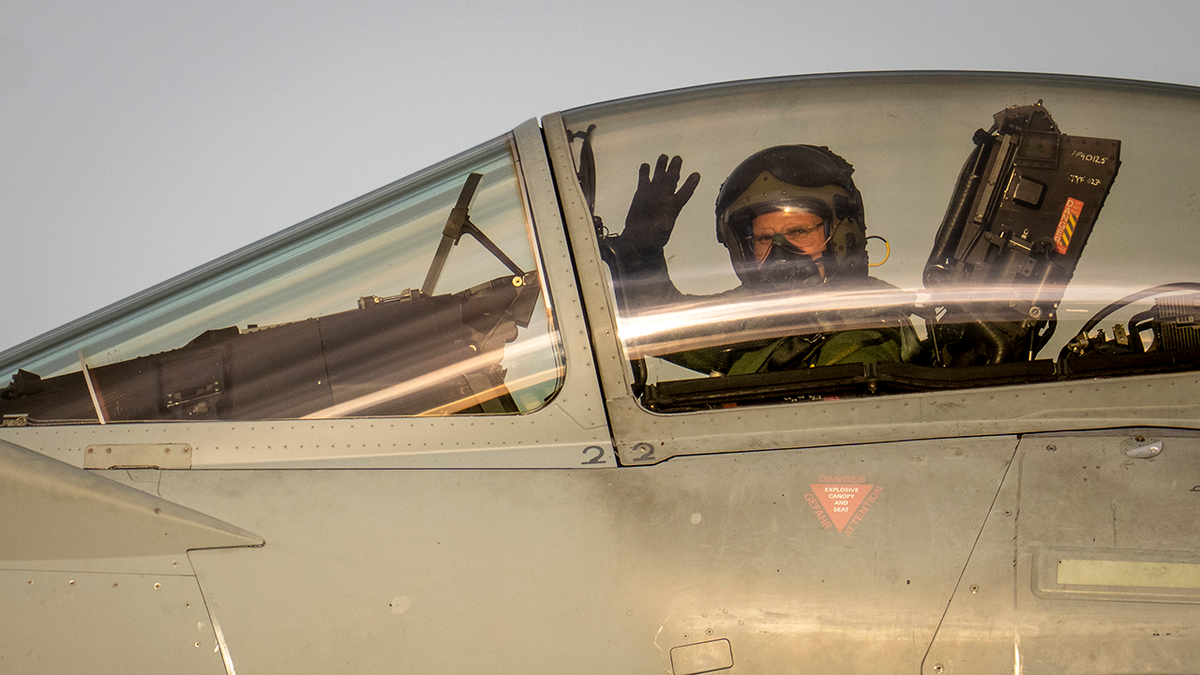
(656, 204)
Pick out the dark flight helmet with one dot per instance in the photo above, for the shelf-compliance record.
(787, 177)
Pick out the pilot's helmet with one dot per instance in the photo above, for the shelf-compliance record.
(791, 218)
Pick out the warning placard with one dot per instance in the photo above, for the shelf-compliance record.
(837, 505)
(1066, 224)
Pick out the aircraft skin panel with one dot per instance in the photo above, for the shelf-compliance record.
(53, 511)
(496, 442)
(94, 622)
(104, 566)
(979, 633)
(1081, 498)
(599, 571)
(1163, 400)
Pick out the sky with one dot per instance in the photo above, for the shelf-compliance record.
(141, 139)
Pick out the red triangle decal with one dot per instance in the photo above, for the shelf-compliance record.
(841, 501)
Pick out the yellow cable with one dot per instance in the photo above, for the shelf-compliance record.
(886, 255)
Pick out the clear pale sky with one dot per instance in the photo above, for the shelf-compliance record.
(141, 139)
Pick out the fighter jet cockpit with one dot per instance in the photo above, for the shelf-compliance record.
(775, 241)
(773, 244)
(424, 298)
(873, 372)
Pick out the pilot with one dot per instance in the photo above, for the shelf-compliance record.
(792, 220)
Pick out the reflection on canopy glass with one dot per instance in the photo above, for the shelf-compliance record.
(989, 271)
(425, 299)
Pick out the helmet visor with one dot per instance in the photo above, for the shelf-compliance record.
(799, 227)
(804, 223)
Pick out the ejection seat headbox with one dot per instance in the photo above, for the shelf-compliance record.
(1020, 216)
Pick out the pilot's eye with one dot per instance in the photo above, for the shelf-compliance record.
(802, 230)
